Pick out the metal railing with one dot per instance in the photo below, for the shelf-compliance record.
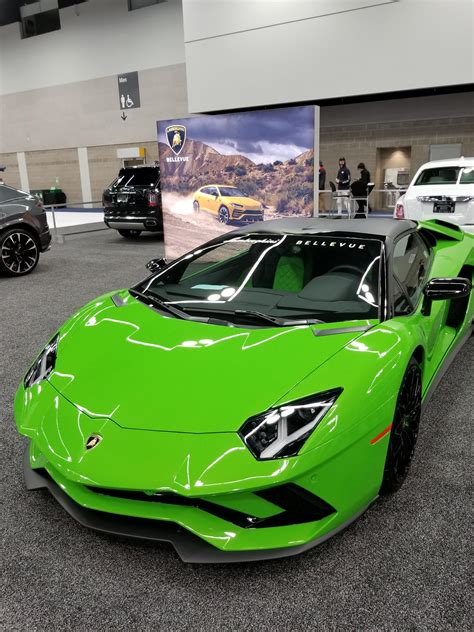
(60, 232)
(337, 203)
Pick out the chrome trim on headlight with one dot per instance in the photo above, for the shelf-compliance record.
(281, 432)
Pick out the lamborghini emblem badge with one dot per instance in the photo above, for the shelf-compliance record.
(93, 441)
(176, 137)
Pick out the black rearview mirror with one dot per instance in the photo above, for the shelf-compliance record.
(156, 264)
(445, 289)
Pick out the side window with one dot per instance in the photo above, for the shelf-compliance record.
(411, 258)
(212, 191)
(401, 304)
(467, 176)
(205, 190)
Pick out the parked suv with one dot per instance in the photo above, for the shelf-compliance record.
(24, 231)
(442, 189)
(132, 203)
(228, 204)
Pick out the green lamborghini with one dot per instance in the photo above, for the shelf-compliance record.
(252, 398)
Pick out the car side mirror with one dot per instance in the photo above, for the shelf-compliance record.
(444, 289)
(156, 264)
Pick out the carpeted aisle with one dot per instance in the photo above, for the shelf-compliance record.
(403, 566)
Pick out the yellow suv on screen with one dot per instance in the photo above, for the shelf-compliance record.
(228, 204)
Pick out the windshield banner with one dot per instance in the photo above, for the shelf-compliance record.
(221, 172)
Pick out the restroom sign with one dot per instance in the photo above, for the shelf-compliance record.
(128, 90)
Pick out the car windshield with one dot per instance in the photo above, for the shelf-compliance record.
(330, 278)
(438, 175)
(7, 193)
(231, 192)
(141, 177)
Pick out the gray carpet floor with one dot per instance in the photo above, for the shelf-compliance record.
(403, 566)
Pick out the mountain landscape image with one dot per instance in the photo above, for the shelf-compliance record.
(285, 187)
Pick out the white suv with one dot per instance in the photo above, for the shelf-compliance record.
(442, 189)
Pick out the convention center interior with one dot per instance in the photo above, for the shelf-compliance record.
(236, 314)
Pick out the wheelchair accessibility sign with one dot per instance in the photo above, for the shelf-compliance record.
(129, 90)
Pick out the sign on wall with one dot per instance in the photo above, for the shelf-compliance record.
(224, 171)
(128, 90)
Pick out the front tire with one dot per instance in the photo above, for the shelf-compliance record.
(130, 234)
(196, 206)
(19, 252)
(224, 216)
(404, 433)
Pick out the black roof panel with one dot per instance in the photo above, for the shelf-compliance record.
(378, 227)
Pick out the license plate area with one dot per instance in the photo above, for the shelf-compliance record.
(122, 197)
(444, 206)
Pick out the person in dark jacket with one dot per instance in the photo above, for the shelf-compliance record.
(343, 180)
(343, 177)
(364, 173)
(322, 186)
(359, 191)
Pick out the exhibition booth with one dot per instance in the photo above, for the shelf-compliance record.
(236, 307)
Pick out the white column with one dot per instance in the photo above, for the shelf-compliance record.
(85, 176)
(22, 168)
(316, 161)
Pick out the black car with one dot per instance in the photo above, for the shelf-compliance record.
(24, 231)
(132, 203)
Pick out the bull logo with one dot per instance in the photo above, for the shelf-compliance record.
(176, 137)
(93, 441)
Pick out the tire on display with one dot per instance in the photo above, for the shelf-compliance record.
(130, 234)
(19, 252)
(404, 432)
(224, 217)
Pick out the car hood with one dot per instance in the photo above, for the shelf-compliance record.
(245, 201)
(148, 371)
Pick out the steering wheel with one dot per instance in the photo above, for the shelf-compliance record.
(347, 268)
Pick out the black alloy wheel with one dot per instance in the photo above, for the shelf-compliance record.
(130, 234)
(404, 431)
(19, 252)
(224, 215)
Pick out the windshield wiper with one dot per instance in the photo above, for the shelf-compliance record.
(274, 320)
(165, 307)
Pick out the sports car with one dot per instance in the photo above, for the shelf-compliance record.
(228, 204)
(255, 396)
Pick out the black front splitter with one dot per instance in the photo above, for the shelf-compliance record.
(189, 547)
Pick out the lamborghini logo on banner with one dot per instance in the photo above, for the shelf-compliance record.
(176, 137)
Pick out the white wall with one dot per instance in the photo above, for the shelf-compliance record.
(104, 39)
(243, 53)
(86, 113)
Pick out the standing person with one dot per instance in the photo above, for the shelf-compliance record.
(343, 180)
(322, 186)
(365, 179)
(364, 173)
(343, 177)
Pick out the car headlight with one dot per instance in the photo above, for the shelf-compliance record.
(43, 365)
(280, 432)
(235, 205)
